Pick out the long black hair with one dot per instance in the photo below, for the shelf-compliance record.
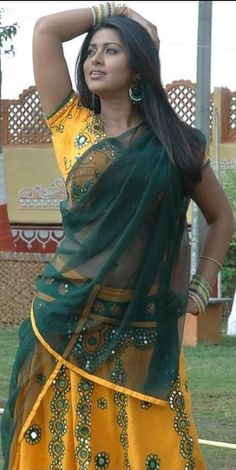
(185, 145)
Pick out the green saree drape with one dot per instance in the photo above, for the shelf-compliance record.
(112, 301)
(123, 230)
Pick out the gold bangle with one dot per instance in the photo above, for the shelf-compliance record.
(199, 280)
(94, 14)
(100, 14)
(112, 8)
(198, 303)
(102, 11)
(200, 285)
(212, 259)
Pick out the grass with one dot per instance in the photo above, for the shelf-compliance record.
(212, 381)
(8, 346)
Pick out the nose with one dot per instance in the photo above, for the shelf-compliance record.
(97, 58)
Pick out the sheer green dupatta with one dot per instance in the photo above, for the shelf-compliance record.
(111, 303)
(124, 222)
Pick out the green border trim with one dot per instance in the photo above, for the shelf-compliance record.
(206, 163)
(48, 116)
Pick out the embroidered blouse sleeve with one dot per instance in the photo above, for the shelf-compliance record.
(67, 124)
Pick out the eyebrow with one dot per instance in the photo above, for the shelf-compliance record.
(106, 44)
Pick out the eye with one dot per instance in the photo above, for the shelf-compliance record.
(90, 52)
(111, 50)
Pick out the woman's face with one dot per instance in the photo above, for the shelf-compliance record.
(106, 69)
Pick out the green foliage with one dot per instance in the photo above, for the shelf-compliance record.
(229, 266)
(7, 32)
(229, 270)
(229, 185)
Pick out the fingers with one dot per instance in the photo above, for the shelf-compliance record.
(195, 314)
(122, 9)
(150, 27)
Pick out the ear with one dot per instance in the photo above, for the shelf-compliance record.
(136, 77)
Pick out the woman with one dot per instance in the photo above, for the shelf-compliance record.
(99, 380)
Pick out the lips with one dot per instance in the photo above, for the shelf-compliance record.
(96, 73)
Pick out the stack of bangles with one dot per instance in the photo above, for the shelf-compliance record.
(103, 10)
(199, 291)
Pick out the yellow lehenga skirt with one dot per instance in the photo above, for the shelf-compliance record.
(78, 424)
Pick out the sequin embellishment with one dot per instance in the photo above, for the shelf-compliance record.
(152, 462)
(83, 451)
(33, 434)
(182, 425)
(58, 423)
(102, 461)
(121, 400)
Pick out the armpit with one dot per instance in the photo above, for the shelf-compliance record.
(206, 161)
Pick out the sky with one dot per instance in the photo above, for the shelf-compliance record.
(177, 24)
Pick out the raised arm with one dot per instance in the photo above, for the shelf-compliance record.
(213, 203)
(51, 73)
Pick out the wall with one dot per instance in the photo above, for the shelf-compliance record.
(31, 174)
(33, 183)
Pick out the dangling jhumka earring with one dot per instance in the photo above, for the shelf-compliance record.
(136, 92)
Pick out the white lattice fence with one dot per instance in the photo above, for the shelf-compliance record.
(26, 124)
(23, 120)
(182, 98)
(232, 116)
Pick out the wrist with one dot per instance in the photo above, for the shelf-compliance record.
(102, 11)
(192, 307)
(199, 291)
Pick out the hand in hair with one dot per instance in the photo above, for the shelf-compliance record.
(151, 28)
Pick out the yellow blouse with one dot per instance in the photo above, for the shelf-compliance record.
(74, 129)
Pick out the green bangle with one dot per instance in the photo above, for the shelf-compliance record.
(197, 301)
(202, 281)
